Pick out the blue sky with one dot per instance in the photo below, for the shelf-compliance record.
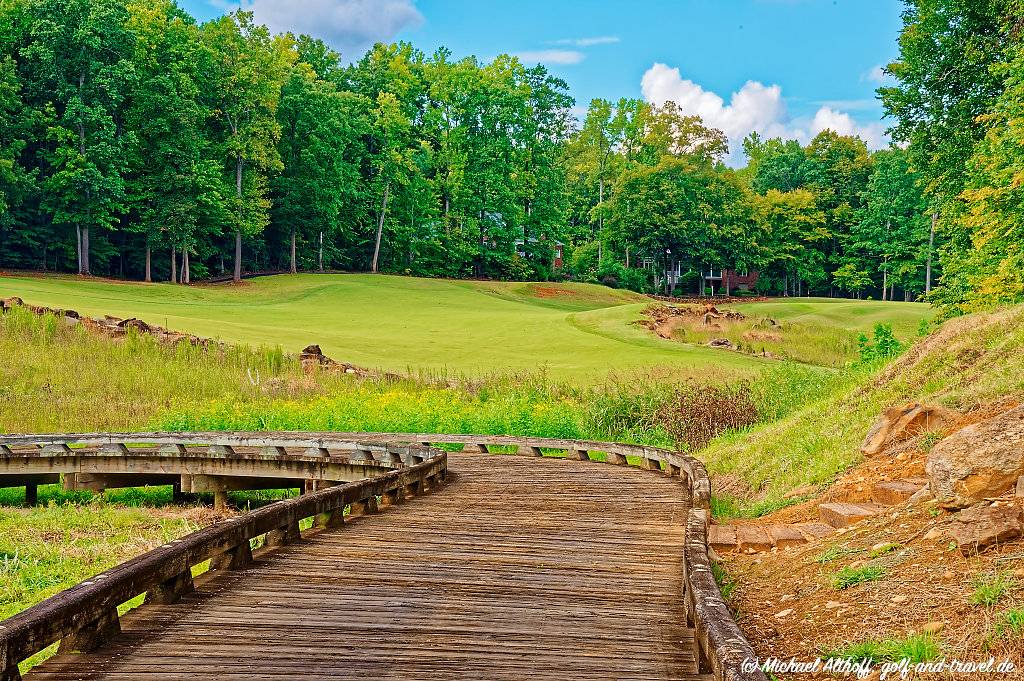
(783, 67)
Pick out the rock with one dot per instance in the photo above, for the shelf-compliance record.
(312, 350)
(901, 423)
(13, 301)
(982, 460)
(900, 598)
(784, 536)
(137, 324)
(784, 614)
(895, 491)
(722, 537)
(832, 605)
(843, 515)
(752, 539)
(932, 534)
(980, 527)
(723, 343)
(932, 627)
(922, 496)
(815, 530)
(1020, 486)
(72, 321)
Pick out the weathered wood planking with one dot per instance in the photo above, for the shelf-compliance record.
(521, 568)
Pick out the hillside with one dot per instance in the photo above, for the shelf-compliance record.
(894, 583)
(967, 363)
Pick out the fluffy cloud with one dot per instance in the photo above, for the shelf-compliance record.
(349, 26)
(755, 107)
(551, 56)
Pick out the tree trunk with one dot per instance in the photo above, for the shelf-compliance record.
(931, 247)
(186, 274)
(174, 264)
(785, 286)
(294, 270)
(85, 251)
(726, 282)
(149, 263)
(238, 257)
(320, 256)
(380, 227)
(239, 165)
(78, 247)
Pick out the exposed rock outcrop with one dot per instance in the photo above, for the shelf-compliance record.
(980, 527)
(902, 423)
(980, 461)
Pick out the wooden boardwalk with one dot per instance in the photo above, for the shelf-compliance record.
(519, 568)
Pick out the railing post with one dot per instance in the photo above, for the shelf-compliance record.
(616, 458)
(528, 450)
(286, 534)
(575, 454)
(93, 635)
(364, 507)
(475, 448)
(330, 519)
(171, 591)
(235, 558)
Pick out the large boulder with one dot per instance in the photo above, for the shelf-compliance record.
(980, 461)
(976, 529)
(902, 423)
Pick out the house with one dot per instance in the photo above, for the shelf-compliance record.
(726, 281)
(559, 248)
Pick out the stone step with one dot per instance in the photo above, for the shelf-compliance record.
(895, 492)
(722, 538)
(844, 514)
(758, 538)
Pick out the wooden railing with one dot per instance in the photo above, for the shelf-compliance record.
(85, 616)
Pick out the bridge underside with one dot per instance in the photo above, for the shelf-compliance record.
(518, 569)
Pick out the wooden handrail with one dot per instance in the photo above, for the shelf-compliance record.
(85, 616)
(722, 647)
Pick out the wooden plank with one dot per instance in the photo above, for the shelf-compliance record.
(521, 568)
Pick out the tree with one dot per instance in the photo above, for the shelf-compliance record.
(892, 230)
(316, 132)
(849, 278)
(248, 68)
(78, 52)
(174, 180)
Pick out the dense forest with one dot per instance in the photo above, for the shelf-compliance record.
(137, 143)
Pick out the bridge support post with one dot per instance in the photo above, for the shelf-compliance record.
(652, 464)
(31, 494)
(235, 558)
(527, 450)
(617, 459)
(577, 455)
(672, 470)
(171, 591)
(220, 499)
(286, 534)
(364, 507)
(93, 635)
(393, 497)
(330, 520)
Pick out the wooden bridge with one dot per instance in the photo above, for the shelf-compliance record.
(434, 565)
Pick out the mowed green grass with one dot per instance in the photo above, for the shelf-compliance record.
(577, 331)
(852, 315)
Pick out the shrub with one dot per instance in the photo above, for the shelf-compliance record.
(696, 413)
(884, 345)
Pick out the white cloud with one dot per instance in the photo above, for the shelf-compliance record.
(876, 74)
(755, 107)
(551, 56)
(588, 42)
(350, 26)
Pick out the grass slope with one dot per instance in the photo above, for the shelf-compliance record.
(966, 364)
(853, 315)
(396, 323)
